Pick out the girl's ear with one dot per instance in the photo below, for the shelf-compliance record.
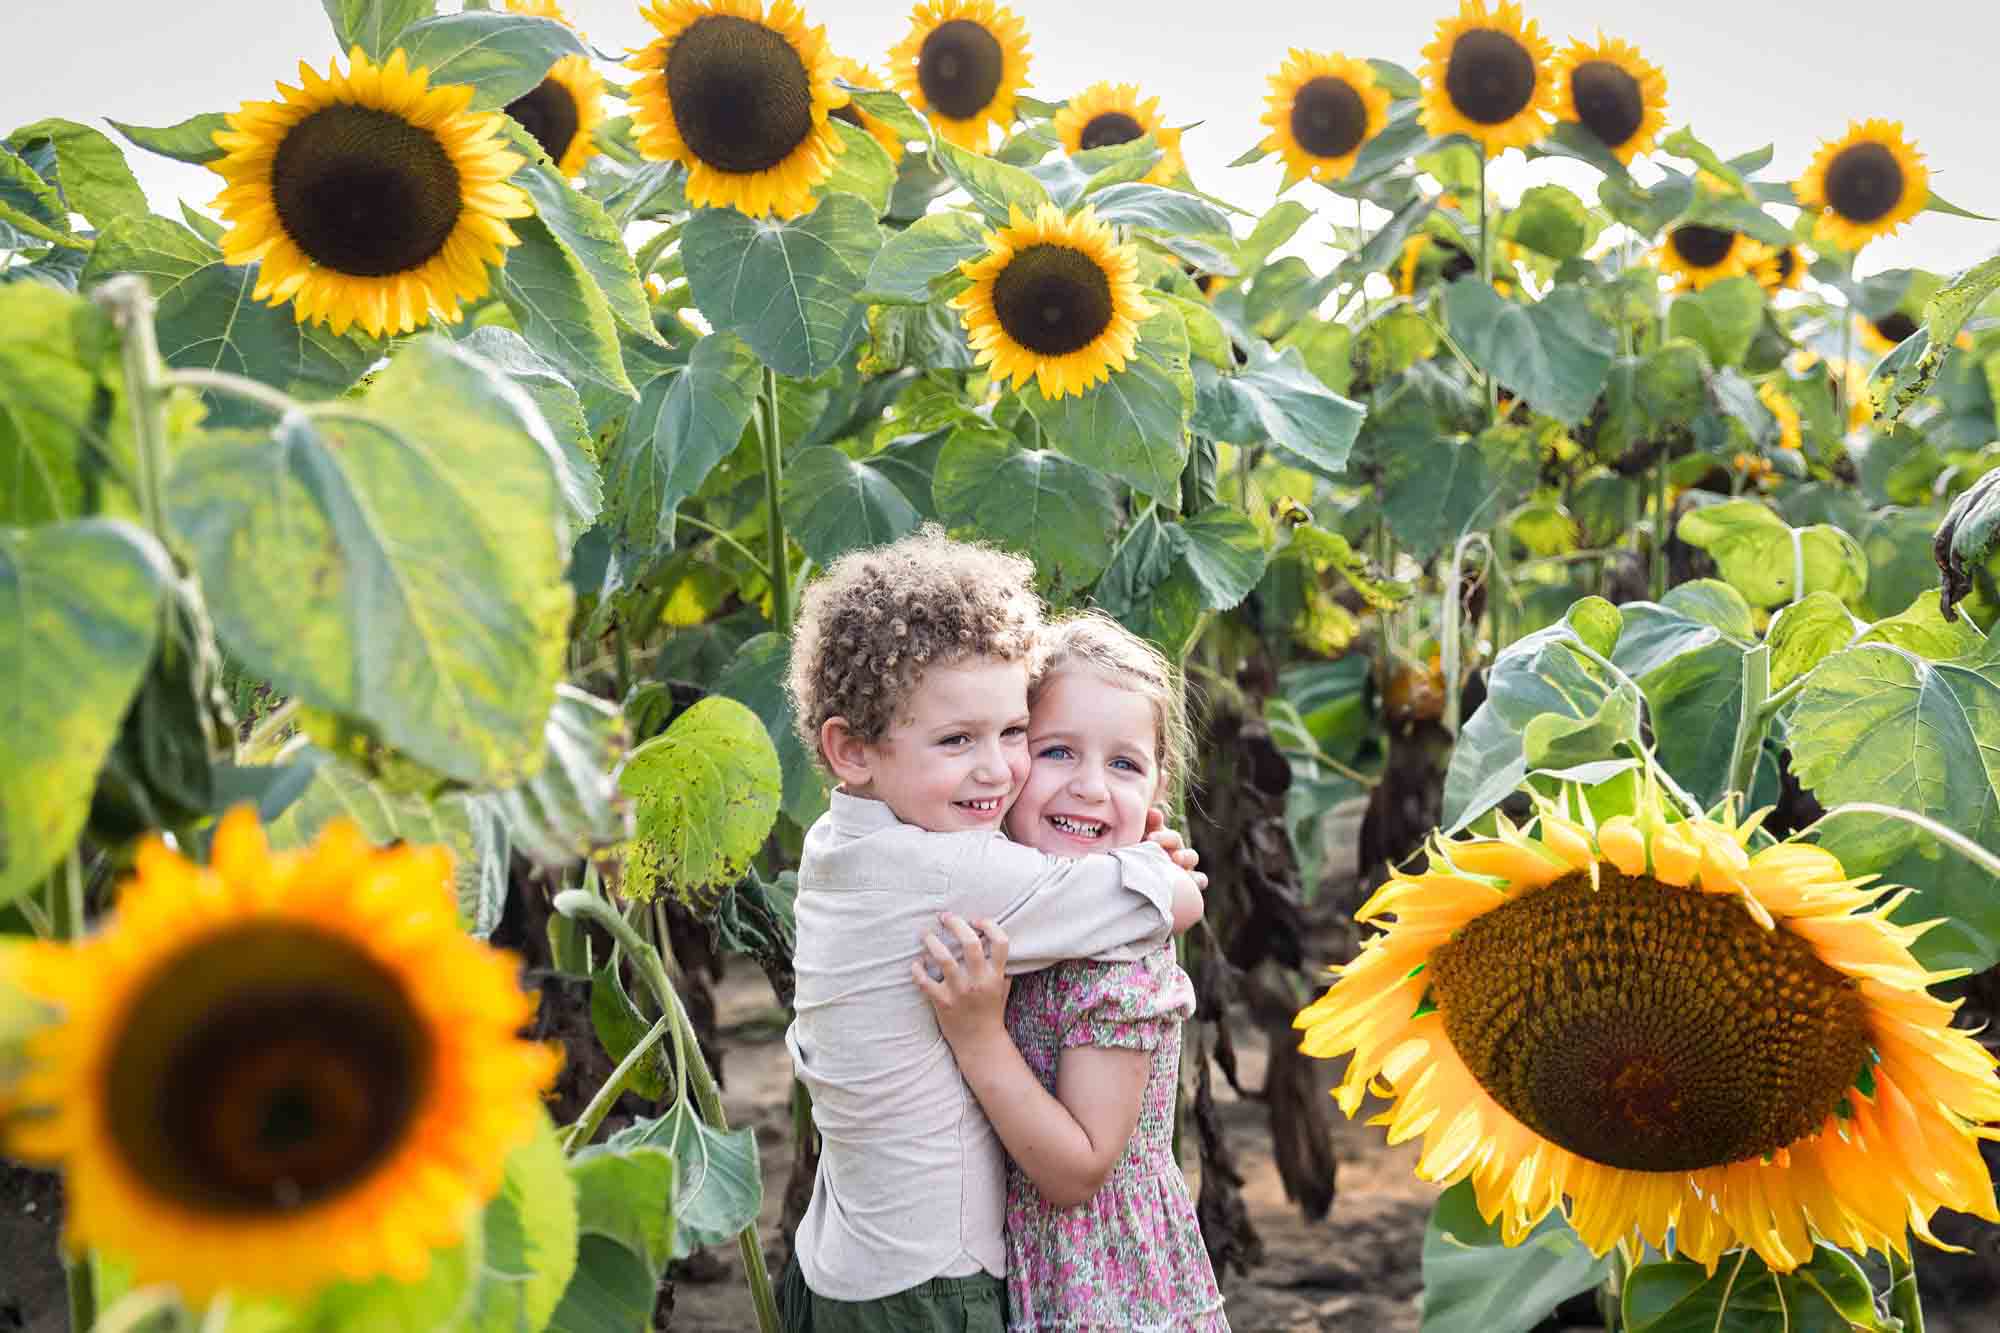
(845, 753)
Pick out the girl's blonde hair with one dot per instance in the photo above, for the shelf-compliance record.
(1094, 641)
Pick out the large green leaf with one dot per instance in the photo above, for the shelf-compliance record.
(1644, 397)
(583, 226)
(1722, 318)
(1293, 410)
(570, 806)
(443, 1297)
(1473, 1283)
(1435, 487)
(500, 54)
(786, 288)
(1805, 633)
(191, 140)
(1878, 723)
(531, 1239)
(1035, 501)
(1134, 425)
(862, 168)
(620, 1027)
(563, 312)
(90, 172)
(1159, 209)
(1226, 554)
(562, 412)
(613, 1291)
(1830, 1294)
(996, 188)
(1763, 557)
(706, 794)
(1553, 354)
(374, 25)
(31, 211)
(51, 447)
(755, 676)
(717, 1188)
(399, 563)
(928, 249)
(627, 1196)
(1970, 531)
(79, 612)
(834, 504)
(1145, 557)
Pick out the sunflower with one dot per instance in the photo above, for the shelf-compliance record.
(1686, 1042)
(1055, 300)
(1322, 107)
(1865, 184)
(563, 111)
(1780, 405)
(1695, 255)
(1454, 264)
(1850, 380)
(741, 98)
(1487, 76)
(368, 197)
(962, 64)
(1612, 91)
(1880, 336)
(279, 1070)
(880, 131)
(1778, 269)
(1112, 113)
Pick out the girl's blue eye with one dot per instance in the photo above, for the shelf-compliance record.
(1129, 764)
(1054, 752)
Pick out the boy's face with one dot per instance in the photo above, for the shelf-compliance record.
(956, 757)
(1095, 768)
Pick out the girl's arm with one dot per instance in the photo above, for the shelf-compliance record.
(1068, 1143)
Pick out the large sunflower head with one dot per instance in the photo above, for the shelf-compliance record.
(1689, 1043)
(1614, 92)
(1321, 108)
(1865, 184)
(1055, 300)
(1113, 113)
(962, 64)
(369, 197)
(563, 111)
(278, 1070)
(1695, 255)
(739, 94)
(1487, 76)
(880, 131)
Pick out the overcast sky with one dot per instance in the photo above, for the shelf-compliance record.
(1794, 76)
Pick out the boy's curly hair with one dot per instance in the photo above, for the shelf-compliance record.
(877, 618)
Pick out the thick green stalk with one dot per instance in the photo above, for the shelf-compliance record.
(774, 519)
(1486, 276)
(585, 1129)
(1660, 524)
(1752, 719)
(131, 307)
(1905, 1301)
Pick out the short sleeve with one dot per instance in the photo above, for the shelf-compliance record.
(1124, 1004)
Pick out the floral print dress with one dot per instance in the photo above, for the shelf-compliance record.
(1130, 1257)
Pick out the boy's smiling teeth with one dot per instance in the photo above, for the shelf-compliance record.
(1080, 828)
(984, 807)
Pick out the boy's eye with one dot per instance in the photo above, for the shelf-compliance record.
(956, 738)
(1013, 733)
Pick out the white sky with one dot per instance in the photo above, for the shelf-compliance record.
(1741, 73)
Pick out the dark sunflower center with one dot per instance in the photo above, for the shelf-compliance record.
(1328, 117)
(1864, 182)
(1052, 300)
(1490, 77)
(741, 96)
(959, 67)
(364, 191)
(1112, 127)
(1895, 326)
(1457, 262)
(549, 114)
(1788, 260)
(1703, 247)
(1647, 1027)
(1608, 101)
(265, 1071)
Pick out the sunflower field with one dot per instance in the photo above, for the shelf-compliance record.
(399, 553)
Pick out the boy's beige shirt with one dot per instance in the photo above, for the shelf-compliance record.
(912, 1180)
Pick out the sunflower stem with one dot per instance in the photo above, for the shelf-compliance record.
(703, 525)
(82, 1288)
(1751, 719)
(780, 569)
(1906, 1302)
(1452, 615)
(131, 308)
(1944, 833)
(585, 1129)
(1659, 565)
(1486, 276)
(221, 381)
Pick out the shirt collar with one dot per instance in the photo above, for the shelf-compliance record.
(858, 816)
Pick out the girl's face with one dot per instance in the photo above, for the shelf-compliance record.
(1094, 767)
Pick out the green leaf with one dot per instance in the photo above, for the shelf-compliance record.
(1807, 632)
(620, 1027)
(1315, 544)
(191, 140)
(995, 187)
(1646, 396)
(1278, 225)
(1159, 209)
(30, 207)
(862, 168)
(1554, 354)
(755, 676)
(788, 289)
(562, 412)
(928, 249)
(374, 25)
(1133, 426)
(51, 446)
(90, 171)
(442, 1298)
(1743, 1296)
(1762, 556)
(890, 108)
(1877, 723)
(1144, 558)
(400, 564)
(1206, 337)
(1225, 552)
(1535, 675)
(569, 807)
(531, 1239)
(502, 55)
(613, 1291)
(1922, 629)
(1722, 318)
(586, 230)
(1970, 531)
(833, 504)
(1296, 412)
(561, 310)
(1035, 501)
(79, 612)
(1473, 1283)
(1938, 204)
(627, 1196)
(717, 1188)
(1551, 221)
(1385, 247)
(1434, 488)
(687, 421)
(1553, 742)
(705, 793)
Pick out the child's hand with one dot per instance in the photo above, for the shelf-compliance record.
(1174, 845)
(970, 999)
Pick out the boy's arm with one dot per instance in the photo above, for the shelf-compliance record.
(1116, 906)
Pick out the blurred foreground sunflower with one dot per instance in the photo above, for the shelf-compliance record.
(1642, 1023)
(1780, 405)
(1695, 255)
(962, 64)
(1055, 300)
(740, 94)
(368, 197)
(1113, 113)
(278, 1070)
(1322, 108)
(1614, 92)
(1865, 184)
(563, 111)
(1487, 75)
(880, 131)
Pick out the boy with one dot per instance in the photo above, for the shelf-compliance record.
(909, 675)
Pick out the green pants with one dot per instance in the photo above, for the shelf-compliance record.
(974, 1304)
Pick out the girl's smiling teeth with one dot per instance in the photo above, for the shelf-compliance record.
(1074, 827)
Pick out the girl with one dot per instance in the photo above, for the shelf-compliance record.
(1079, 1077)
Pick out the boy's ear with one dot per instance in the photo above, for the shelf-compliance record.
(845, 753)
